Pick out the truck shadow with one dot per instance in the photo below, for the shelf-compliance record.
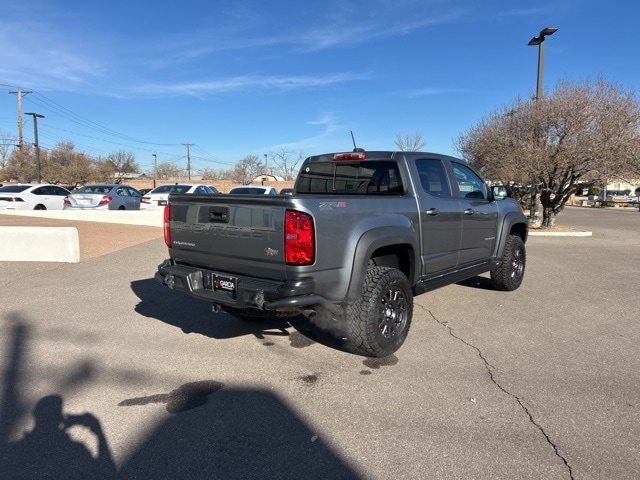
(195, 316)
(481, 283)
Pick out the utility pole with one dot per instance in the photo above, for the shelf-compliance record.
(36, 116)
(188, 159)
(19, 94)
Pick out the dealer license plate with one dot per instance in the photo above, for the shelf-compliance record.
(222, 283)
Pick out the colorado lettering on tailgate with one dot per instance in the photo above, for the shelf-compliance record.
(222, 230)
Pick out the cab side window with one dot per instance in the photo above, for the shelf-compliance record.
(470, 186)
(433, 178)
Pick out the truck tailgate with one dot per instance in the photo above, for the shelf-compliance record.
(243, 234)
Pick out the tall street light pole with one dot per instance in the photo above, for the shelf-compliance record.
(266, 169)
(539, 41)
(36, 116)
(155, 169)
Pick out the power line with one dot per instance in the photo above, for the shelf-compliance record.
(114, 137)
(69, 115)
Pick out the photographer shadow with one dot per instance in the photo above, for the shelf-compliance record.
(48, 451)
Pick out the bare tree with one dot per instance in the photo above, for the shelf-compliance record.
(21, 165)
(285, 163)
(410, 142)
(583, 131)
(65, 166)
(246, 170)
(7, 144)
(121, 163)
(168, 170)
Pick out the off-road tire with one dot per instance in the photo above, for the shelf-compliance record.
(377, 324)
(509, 274)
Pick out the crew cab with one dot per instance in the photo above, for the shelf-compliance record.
(362, 233)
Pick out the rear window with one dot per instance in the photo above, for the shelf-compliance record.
(248, 191)
(171, 189)
(103, 189)
(14, 188)
(377, 178)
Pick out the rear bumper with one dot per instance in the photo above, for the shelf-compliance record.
(250, 293)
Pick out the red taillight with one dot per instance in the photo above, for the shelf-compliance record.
(145, 200)
(357, 155)
(167, 225)
(66, 201)
(105, 200)
(12, 199)
(299, 238)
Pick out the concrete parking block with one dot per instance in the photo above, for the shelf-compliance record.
(39, 244)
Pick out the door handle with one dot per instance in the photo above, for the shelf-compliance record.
(468, 211)
(432, 211)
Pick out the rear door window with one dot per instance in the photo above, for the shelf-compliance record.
(433, 178)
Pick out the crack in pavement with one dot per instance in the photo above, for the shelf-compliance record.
(490, 369)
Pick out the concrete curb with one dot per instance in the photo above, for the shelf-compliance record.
(534, 233)
(39, 244)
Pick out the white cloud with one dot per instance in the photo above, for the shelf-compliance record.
(251, 82)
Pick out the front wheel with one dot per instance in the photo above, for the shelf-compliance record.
(509, 274)
(378, 322)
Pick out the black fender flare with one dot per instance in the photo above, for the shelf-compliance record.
(375, 239)
(510, 220)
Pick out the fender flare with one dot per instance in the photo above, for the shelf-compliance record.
(375, 239)
(511, 219)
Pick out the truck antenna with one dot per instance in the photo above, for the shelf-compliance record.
(355, 148)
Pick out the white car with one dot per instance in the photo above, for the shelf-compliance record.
(253, 190)
(30, 196)
(157, 198)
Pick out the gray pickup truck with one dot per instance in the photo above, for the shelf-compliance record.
(362, 233)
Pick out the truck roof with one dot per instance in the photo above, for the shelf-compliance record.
(367, 155)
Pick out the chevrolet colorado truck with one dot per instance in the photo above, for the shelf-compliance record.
(362, 233)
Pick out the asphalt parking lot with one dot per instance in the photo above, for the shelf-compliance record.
(538, 383)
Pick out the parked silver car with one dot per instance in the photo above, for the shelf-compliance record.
(103, 196)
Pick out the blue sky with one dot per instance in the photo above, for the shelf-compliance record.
(248, 77)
